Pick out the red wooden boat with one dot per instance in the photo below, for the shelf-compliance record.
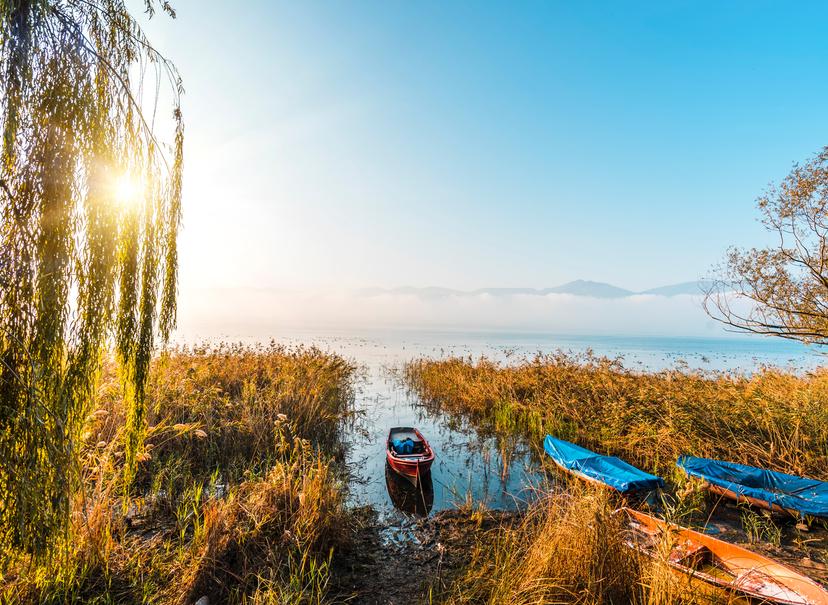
(412, 465)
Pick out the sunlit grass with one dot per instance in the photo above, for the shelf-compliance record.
(235, 498)
(772, 419)
(569, 548)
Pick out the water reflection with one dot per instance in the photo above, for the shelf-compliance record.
(408, 498)
(471, 467)
(468, 467)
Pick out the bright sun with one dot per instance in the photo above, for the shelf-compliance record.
(128, 190)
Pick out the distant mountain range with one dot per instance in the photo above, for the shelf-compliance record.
(578, 287)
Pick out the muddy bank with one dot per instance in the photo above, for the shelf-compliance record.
(402, 564)
(399, 565)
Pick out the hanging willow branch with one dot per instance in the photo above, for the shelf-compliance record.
(90, 204)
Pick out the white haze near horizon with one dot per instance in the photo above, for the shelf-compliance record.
(261, 313)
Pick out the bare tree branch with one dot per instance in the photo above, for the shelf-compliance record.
(782, 291)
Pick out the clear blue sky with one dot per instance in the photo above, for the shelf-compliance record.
(471, 144)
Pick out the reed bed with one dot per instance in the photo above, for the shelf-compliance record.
(772, 418)
(570, 547)
(566, 549)
(236, 496)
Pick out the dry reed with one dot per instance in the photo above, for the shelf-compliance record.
(236, 496)
(773, 419)
(571, 547)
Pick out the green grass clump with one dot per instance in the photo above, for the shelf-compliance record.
(773, 419)
(236, 496)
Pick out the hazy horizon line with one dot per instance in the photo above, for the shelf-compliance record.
(575, 287)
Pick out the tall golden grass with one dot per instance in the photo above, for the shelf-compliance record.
(566, 549)
(570, 547)
(236, 496)
(773, 419)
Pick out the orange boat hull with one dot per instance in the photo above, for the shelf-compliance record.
(742, 499)
(722, 564)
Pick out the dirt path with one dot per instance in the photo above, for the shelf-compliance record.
(397, 567)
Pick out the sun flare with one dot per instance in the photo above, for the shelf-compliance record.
(128, 190)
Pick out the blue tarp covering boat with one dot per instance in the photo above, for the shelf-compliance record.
(612, 472)
(765, 488)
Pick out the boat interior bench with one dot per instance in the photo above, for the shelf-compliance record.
(410, 435)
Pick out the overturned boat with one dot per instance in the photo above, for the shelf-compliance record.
(760, 487)
(607, 471)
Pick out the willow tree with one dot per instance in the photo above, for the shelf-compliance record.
(782, 290)
(89, 214)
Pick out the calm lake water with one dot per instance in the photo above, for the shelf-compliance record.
(468, 466)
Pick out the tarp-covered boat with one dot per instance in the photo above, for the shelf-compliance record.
(604, 470)
(721, 564)
(760, 487)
